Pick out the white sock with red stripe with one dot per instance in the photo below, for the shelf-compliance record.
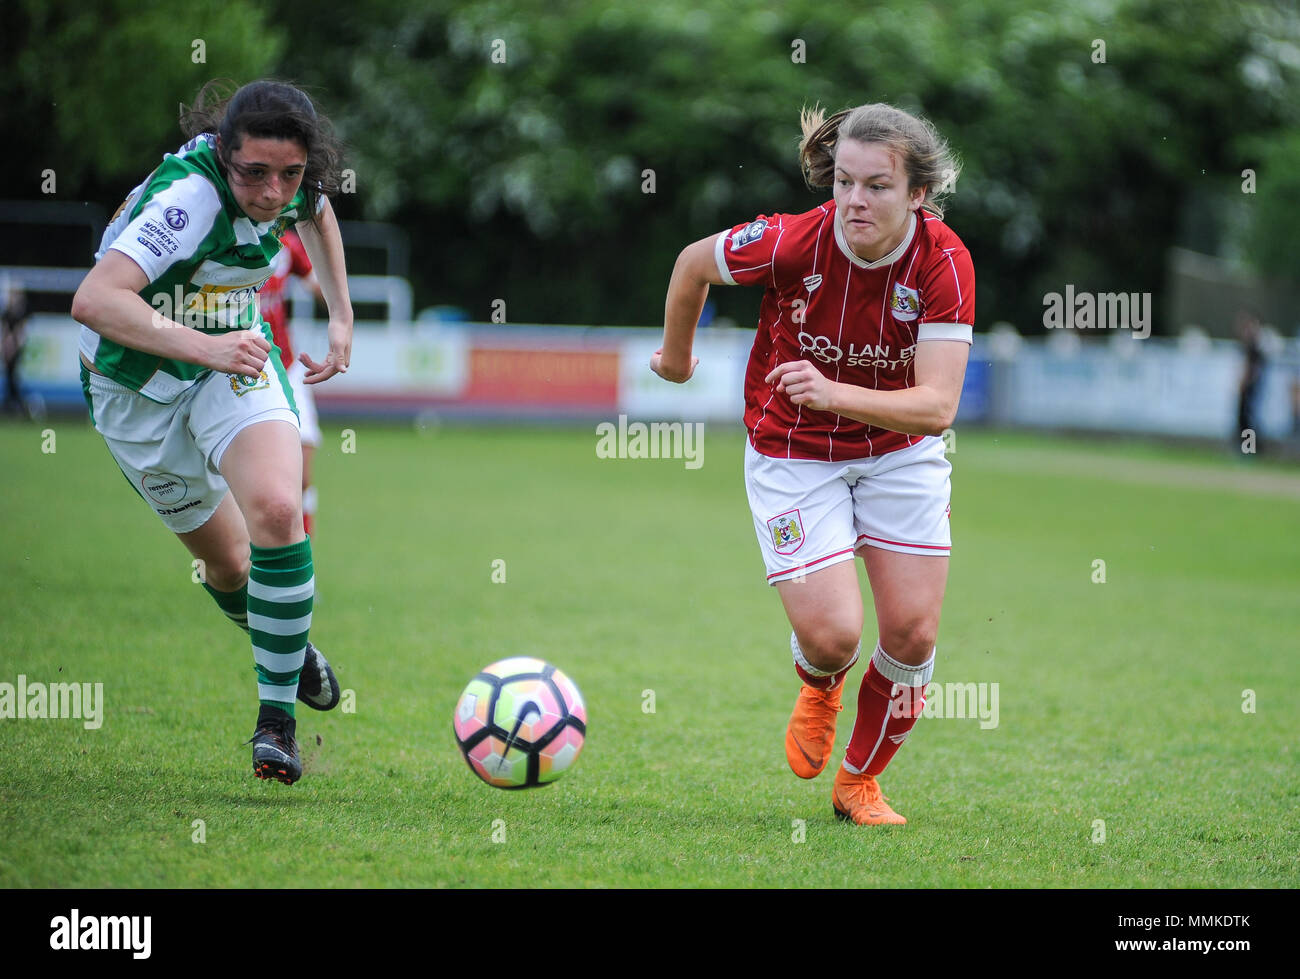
(890, 700)
(814, 677)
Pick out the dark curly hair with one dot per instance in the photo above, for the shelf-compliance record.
(269, 109)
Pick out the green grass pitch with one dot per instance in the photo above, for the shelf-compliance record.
(1122, 756)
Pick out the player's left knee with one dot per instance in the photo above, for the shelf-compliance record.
(276, 519)
(911, 643)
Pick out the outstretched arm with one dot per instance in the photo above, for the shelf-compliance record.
(325, 249)
(693, 273)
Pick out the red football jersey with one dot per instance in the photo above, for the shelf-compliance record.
(857, 321)
(291, 259)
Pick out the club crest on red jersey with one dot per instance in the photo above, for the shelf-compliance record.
(749, 233)
(787, 532)
(905, 304)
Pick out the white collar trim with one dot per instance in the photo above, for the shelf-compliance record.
(889, 259)
(247, 231)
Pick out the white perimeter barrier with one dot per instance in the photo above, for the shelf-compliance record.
(473, 370)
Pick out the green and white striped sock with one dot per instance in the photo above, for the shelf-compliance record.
(233, 603)
(281, 585)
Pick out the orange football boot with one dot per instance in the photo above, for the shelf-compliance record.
(858, 797)
(810, 736)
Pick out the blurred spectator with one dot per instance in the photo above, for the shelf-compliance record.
(12, 341)
(1247, 327)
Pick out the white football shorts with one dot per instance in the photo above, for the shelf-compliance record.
(171, 453)
(810, 514)
(306, 403)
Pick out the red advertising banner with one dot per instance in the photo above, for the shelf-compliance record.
(543, 376)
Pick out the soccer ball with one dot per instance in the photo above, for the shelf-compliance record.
(520, 723)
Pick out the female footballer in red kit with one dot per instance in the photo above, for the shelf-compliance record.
(856, 371)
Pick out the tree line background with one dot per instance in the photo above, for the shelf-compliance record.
(511, 139)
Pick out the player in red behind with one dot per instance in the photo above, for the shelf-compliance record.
(856, 370)
(292, 260)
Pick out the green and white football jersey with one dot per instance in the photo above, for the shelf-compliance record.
(205, 260)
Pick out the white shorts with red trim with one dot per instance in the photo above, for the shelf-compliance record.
(810, 514)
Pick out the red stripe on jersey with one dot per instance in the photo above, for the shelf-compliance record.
(856, 321)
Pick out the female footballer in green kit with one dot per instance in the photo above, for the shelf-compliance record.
(177, 370)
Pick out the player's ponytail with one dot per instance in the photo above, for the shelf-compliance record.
(269, 110)
(927, 159)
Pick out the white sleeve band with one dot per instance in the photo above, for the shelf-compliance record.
(720, 256)
(945, 331)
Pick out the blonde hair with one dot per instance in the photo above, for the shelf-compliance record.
(927, 159)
